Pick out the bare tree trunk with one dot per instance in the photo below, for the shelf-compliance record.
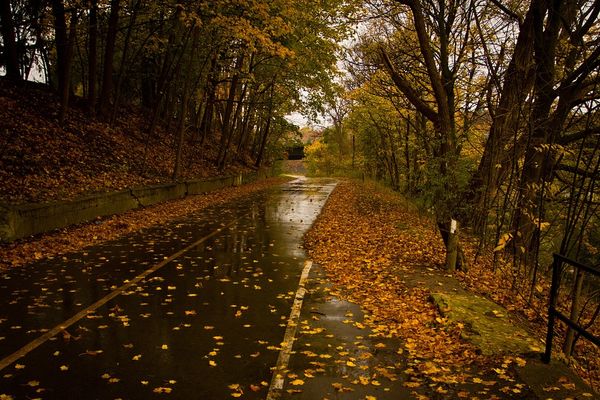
(537, 163)
(265, 135)
(64, 53)
(92, 56)
(227, 123)
(122, 67)
(165, 72)
(246, 128)
(353, 149)
(62, 49)
(11, 58)
(109, 56)
(409, 184)
(442, 79)
(574, 313)
(211, 88)
(495, 162)
(185, 99)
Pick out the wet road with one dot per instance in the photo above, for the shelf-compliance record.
(148, 319)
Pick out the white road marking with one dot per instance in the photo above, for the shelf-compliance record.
(23, 351)
(288, 339)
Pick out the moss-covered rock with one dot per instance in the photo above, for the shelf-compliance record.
(486, 324)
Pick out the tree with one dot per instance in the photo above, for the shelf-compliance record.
(92, 55)
(9, 51)
(109, 55)
(65, 41)
(441, 74)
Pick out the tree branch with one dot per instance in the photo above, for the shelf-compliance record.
(576, 170)
(407, 89)
(508, 11)
(441, 96)
(573, 137)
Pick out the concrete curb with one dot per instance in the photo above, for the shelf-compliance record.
(24, 220)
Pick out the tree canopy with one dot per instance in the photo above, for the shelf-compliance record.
(230, 70)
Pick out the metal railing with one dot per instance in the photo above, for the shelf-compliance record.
(553, 313)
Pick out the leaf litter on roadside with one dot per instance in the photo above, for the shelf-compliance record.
(367, 239)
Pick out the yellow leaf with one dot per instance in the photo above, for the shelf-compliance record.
(503, 241)
(520, 362)
(297, 382)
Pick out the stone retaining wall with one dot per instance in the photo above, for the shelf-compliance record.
(29, 219)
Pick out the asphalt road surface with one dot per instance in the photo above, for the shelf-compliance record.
(195, 309)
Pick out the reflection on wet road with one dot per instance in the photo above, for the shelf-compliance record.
(206, 325)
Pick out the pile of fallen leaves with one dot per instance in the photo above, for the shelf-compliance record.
(367, 239)
(41, 159)
(75, 238)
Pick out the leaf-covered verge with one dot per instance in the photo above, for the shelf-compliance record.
(371, 242)
(41, 159)
(75, 238)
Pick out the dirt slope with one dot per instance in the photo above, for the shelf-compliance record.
(42, 160)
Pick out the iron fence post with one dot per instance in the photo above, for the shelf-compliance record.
(552, 308)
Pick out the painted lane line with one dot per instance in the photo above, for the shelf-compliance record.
(23, 351)
(288, 339)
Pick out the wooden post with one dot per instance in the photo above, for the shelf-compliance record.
(452, 246)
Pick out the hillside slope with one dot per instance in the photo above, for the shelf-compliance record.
(42, 160)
